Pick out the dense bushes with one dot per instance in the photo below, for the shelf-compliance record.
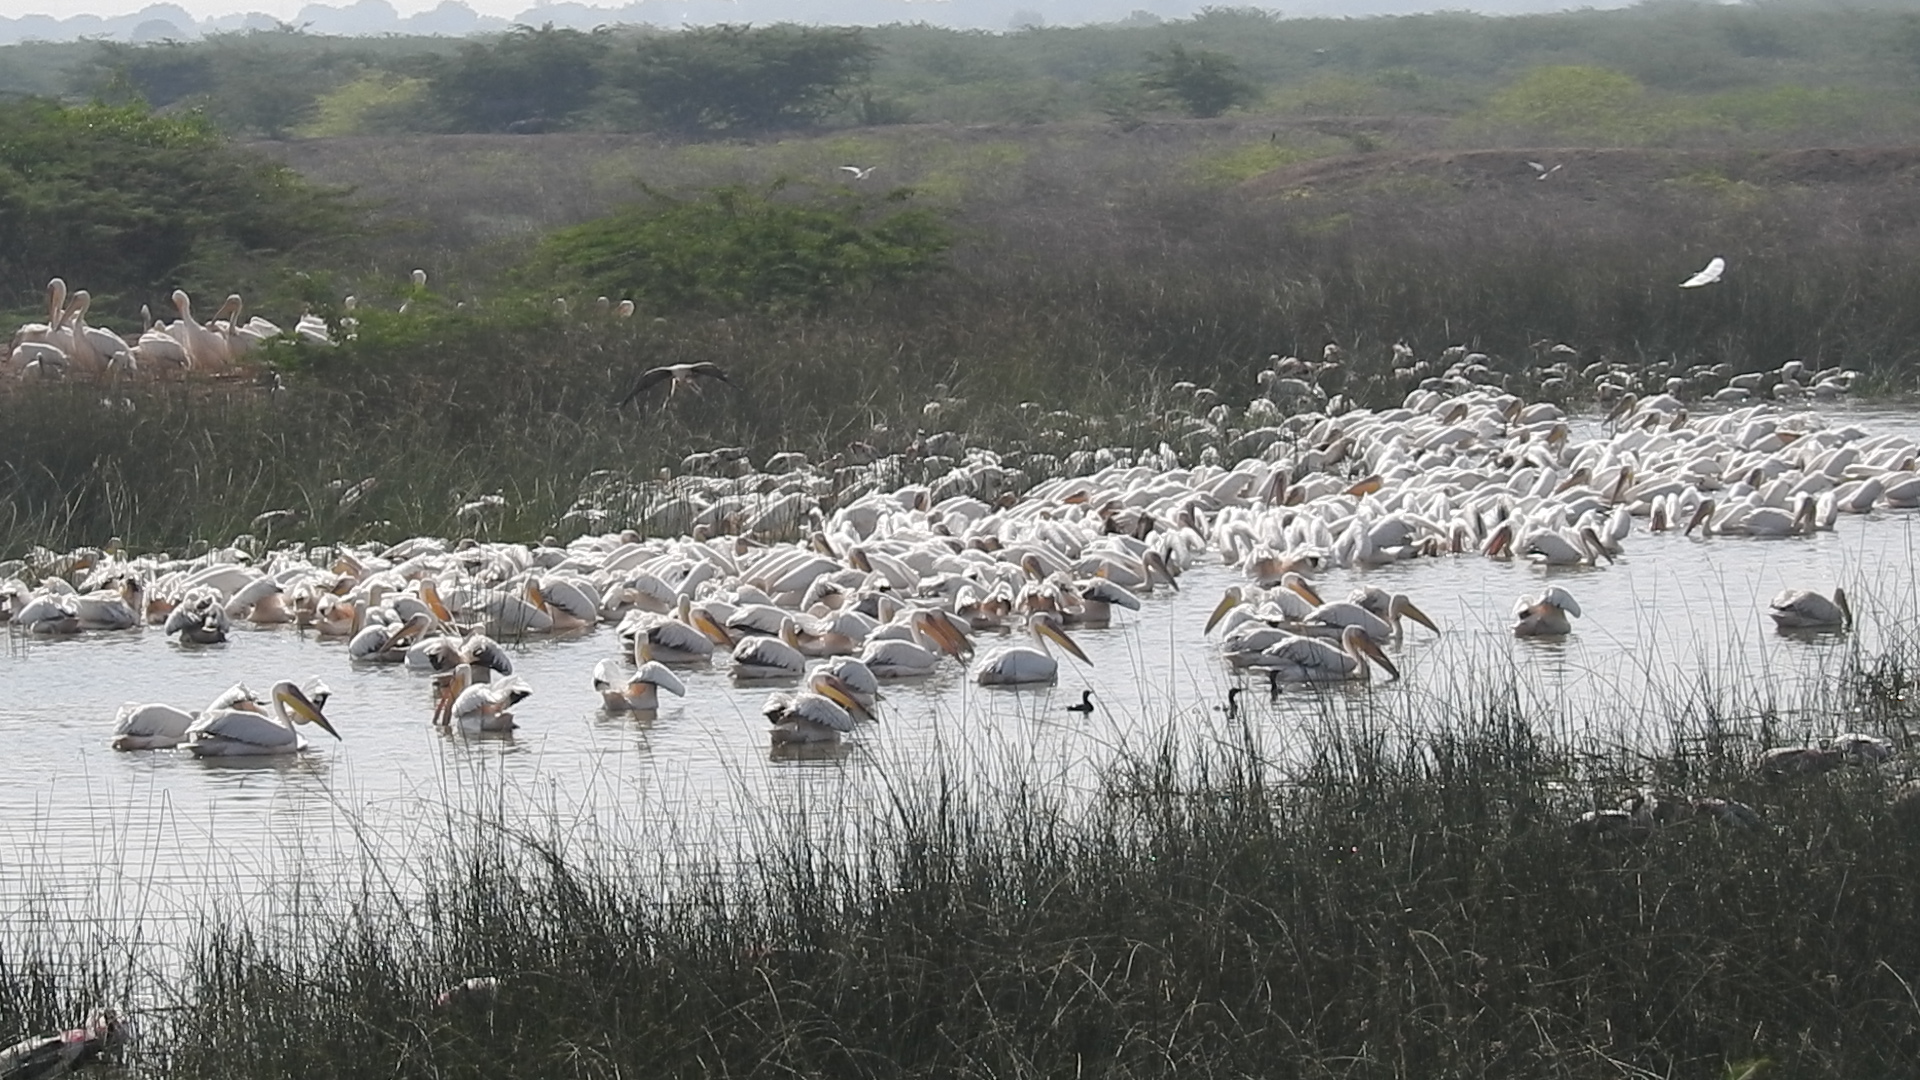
(740, 248)
(129, 204)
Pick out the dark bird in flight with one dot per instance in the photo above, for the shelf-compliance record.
(679, 374)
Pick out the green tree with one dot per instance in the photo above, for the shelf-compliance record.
(528, 80)
(126, 203)
(1205, 83)
(741, 248)
(161, 74)
(738, 78)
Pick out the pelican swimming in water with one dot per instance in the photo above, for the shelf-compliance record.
(444, 653)
(1316, 660)
(1337, 616)
(382, 644)
(476, 706)
(770, 658)
(1804, 609)
(634, 691)
(930, 635)
(1545, 615)
(155, 726)
(200, 617)
(1015, 665)
(687, 638)
(244, 732)
(820, 714)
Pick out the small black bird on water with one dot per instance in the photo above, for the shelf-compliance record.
(1232, 707)
(681, 374)
(1273, 684)
(1086, 703)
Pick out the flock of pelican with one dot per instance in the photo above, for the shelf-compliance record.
(66, 344)
(826, 583)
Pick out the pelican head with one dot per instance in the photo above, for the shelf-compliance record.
(1401, 605)
(1234, 597)
(1045, 624)
(1301, 587)
(835, 689)
(1363, 648)
(300, 708)
(940, 630)
(1846, 609)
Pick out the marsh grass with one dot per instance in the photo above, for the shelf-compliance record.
(1391, 891)
(1095, 269)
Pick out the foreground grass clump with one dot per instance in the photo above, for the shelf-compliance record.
(1392, 909)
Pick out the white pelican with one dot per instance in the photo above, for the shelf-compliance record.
(1545, 615)
(241, 732)
(382, 644)
(688, 638)
(635, 691)
(49, 613)
(820, 714)
(770, 658)
(860, 681)
(261, 601)
(1804, 609)
(206, 350)
(1314, 660)
(1341, 614)
(680, 374)
(1707, 275)
(1019, 664)
(514, 614)
(930, 634)
(160, 727)
(446, 652)
(1090, 601)
(200, 617)
(472, 706)
(1292, 600)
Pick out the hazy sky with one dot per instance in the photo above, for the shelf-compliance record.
(284, 9)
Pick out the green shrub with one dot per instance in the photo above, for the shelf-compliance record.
(740, 248)
(126, 202)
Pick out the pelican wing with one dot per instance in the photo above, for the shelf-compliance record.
(1708, 275)
(649, 379)
(661, 676)
(251, 731)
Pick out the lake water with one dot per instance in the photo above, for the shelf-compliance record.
(150, 842)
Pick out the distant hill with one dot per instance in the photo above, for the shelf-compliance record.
(453, 18)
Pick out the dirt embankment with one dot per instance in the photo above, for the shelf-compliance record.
(1586, 169)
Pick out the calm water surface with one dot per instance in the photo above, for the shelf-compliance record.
(148, 842)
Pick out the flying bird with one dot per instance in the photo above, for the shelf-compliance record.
(1544, 171)
(680, 374)
(1707, 276)
(857, 172)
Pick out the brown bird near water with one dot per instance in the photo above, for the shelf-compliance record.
(679, 374)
